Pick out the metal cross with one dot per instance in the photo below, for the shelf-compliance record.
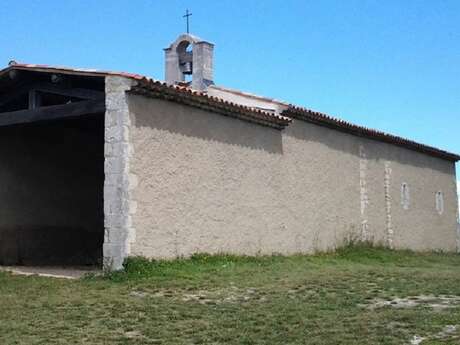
(187, 15)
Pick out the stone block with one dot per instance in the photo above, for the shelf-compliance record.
(116, 181)
(114, 255)
(115, 103)
(116, 134)
(116, 165)
(117, 117)
(113, 204)
(116, 149)
(116, 231)
(117, 84)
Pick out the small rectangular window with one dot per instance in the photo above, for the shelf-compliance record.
(405, 196)
(440, 202)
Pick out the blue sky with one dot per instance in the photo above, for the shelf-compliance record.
(390, 65)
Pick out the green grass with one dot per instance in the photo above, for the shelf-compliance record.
(226, 299)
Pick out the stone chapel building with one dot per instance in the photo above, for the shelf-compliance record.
(98, 166)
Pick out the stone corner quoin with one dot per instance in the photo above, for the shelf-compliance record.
(119, 181)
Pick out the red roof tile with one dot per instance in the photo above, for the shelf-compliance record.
(184, 95)
(325, 120)
(67, 70)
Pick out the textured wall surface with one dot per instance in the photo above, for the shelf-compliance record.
(417, 225)
(51, 191)
(209, 183)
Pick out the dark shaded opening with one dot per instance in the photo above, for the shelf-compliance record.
(51, 192)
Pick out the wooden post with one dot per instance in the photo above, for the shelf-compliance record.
(34, 99)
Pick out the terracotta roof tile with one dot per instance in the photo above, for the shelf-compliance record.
(184, 95)
(326, 120)
(67, 70)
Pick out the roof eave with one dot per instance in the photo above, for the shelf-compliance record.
(155, 89)
(343, 126)
(68, 71)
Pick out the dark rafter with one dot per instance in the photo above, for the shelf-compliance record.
(34, 99)
(34, 90)
(70, 92)
(52, 112)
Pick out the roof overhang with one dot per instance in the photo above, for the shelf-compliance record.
(33, 94)
(321, 119)
(155, 89)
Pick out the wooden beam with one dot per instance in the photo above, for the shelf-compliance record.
(70, 92)
(50, 88)
(52, 112)
(34, 99)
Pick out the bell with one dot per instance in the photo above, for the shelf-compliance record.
(188, 68)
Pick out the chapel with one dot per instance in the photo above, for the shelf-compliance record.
(97, 166)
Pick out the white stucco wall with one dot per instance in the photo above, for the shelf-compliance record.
(247, 99)
(209, 183)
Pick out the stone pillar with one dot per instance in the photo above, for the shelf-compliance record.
(173, 73)
(119, 181)
(202, 65)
